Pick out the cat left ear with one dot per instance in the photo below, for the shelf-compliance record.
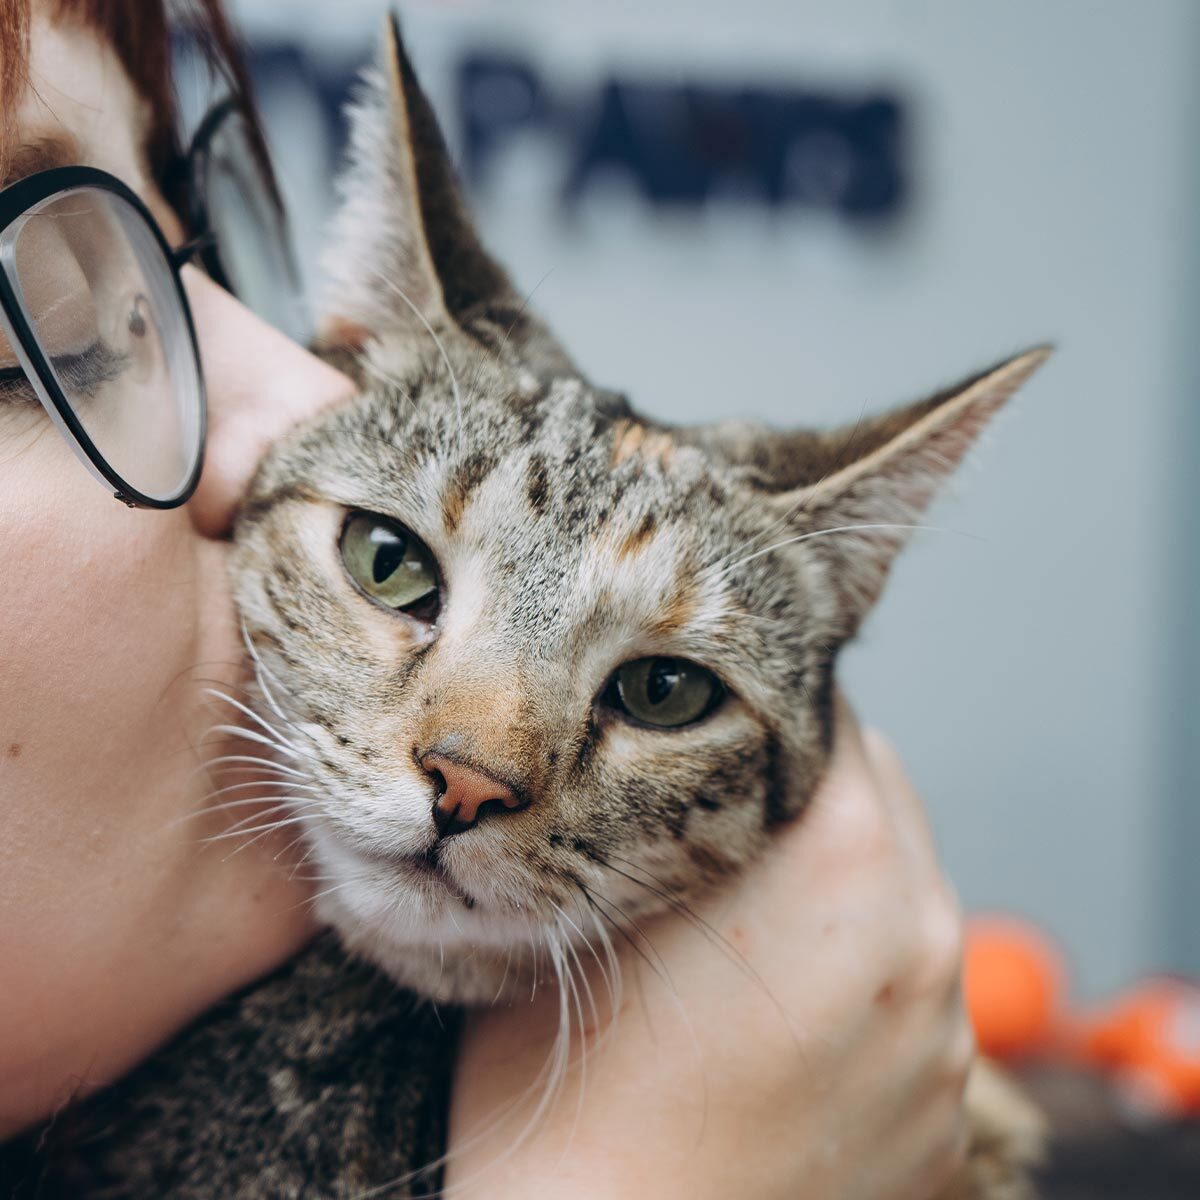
(380, 266)
(403, 243)
(880, 477)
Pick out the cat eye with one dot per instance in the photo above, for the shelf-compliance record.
(663, 692)
(391, 565)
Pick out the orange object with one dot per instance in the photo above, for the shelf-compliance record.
(1149, 1041)
(1014, 984)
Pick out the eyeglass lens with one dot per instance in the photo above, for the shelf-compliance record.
(251, 233)
(102, 302)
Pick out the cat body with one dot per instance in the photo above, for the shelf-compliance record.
(536, 667)
(322, 1082)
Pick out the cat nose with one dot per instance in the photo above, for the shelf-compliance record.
(463, 793)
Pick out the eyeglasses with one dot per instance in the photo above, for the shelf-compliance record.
(97, 320)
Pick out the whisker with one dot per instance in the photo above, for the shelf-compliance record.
(239, 828)
(249, 712)
(804, 537)
(660, 970)
(253, 735)
(266, 783)
(209, 809)
(664, 976)
(612, 975)
(436, 341)
(697, 922)
(567, 978)
(377, 373)
(547, 1082)
(261, 674)
(264, 763)
(579, 965)
(337, 887)
(497, 352)
(504, 977)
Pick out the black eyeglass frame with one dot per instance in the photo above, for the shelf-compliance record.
(19, 197)
(196, 167)
(16, 200)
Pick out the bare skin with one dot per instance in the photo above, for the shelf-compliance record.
(117, 926)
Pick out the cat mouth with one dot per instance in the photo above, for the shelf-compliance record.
(425, 869)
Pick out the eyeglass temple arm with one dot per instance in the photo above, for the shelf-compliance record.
(182, 255)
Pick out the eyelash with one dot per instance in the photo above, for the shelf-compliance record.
(81, 374)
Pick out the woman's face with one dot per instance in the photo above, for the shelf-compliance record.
(116, 923)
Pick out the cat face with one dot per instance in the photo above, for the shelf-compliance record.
(511, 596)
(537, 666)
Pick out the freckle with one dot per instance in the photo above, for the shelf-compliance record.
(14, 751)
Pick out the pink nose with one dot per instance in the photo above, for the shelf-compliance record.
(463, 793)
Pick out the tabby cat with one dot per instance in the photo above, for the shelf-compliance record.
(535, 667)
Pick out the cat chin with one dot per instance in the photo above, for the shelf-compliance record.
(422, 929)
(452, 957)
(472, 975)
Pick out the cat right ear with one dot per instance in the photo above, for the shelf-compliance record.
(380, 266)
(876, 483)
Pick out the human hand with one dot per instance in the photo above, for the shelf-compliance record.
(825, 1056)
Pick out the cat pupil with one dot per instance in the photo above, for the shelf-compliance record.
(388, 555)
(661, 681)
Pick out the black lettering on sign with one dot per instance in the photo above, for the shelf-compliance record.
(678, 144)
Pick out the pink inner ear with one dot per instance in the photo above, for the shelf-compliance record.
(337, 332)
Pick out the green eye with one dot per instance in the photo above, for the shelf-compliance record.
(391, 564)
(664, 692)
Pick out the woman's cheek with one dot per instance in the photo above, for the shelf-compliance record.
(99, 679)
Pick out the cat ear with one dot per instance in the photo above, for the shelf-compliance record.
(379, 265)
(878, 477)
(402, 226)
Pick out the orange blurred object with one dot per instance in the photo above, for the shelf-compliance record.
(1150, 1042)
(1147, 1043)
(1014, 980)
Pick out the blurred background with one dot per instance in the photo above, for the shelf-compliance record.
(790, 209)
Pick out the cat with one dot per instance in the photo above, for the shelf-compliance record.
(536, 667)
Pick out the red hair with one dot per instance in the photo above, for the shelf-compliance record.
(139, 32)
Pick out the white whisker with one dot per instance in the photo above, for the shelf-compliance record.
(436, 341)
(258, 836)
(381, 376)
(265, 783)
(804, 537)
(252, 735)
(239, 828)
(264, 763)
(249, 712)
(261, 675)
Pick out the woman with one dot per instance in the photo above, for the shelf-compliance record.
(117, 927)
